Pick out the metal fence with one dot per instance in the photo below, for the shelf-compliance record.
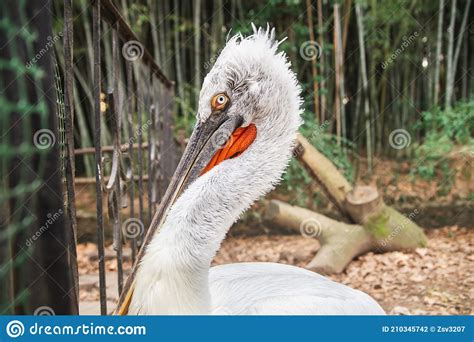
(134, 103)
(134, 160)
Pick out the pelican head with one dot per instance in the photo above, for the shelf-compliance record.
(249, 104)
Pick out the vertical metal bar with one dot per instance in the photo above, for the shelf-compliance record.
(114, 101)
(175, 154)
(69, 123)
(115, 194)
(168, 154)
(140, 109)
(118, 237)
(98, 154)
(128, 69)
(161, 143)
(151, 148)
(154, 150)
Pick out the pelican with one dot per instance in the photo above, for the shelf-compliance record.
(247, 119)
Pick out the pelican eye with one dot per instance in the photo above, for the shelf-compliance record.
(219, 102)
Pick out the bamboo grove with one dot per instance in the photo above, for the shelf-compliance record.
(367, 67)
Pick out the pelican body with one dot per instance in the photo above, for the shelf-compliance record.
(247, 119)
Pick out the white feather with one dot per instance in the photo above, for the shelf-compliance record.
(277, 289)
(174, 276)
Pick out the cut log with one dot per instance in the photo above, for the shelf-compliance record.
(342, 242)
(333, 183)
(377, 227)
(363, 202)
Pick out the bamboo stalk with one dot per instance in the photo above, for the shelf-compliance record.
(449, 64)
(346, 18)
(337, 74)
(321, 61)
(462, 29)
(339, 60)
(197, 47)
(365, 85)
(314, 72)
(439, 47)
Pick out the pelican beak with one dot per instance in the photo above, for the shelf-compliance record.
(206, 140)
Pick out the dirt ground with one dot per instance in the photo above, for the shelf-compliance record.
(437, 280)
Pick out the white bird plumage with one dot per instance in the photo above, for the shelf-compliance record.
(174, 276)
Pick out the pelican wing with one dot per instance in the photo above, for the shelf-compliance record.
(277, 289)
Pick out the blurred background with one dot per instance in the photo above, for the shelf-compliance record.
(413, 79)
(388, 93)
